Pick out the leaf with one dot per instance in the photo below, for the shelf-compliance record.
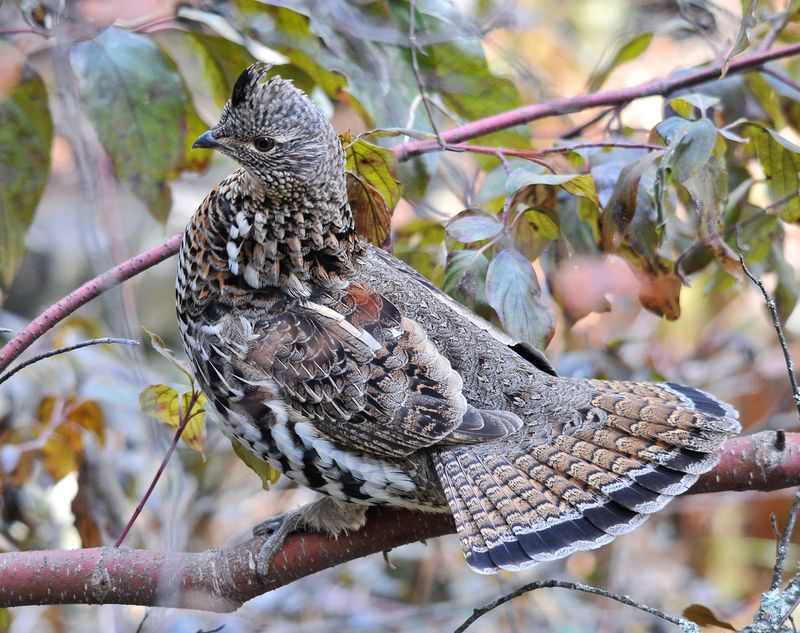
(63, 449)
(581, 185)
(786, 290)
(685, 105)
(266, 473)
(420, 244)
(372, 217)
(81, 506)
(26, 133)
(513, 291)
(709, 192)
(624, 202)
(473, 226)
(629, 51)
(374, 165)
(780, 159)
(162, 403)
(690, 145)
(465, 276)
(703, 616)
(742, 40)
(136, 101)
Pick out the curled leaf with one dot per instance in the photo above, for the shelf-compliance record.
(266, 473)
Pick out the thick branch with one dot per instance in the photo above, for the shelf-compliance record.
(221, 580)
(132, 267)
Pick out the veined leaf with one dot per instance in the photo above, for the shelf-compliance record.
(163, 403)
(372, 217)
(465, 276)
(136, 100)
(373, 165)
(26, 132)
(742, 40)
(581, 185)
(474, 226)
(513, 291)
(690, 145)
(780, 159)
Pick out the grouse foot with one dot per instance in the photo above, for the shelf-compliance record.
(326, 515)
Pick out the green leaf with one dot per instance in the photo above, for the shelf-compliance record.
(136, 100)
(266, 473)
(581, 185)
(685, 105)
(629, 51)
(474, 226)
(26, 133)
(375, 166)
(161, 347)
(513, 291)
(465, 276)
(689, 148)
(780, 159)
(742, 40)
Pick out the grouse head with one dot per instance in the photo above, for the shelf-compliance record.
(283, 141)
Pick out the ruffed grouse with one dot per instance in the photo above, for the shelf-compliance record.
(353, 375)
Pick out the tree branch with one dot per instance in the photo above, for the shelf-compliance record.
(221, 580)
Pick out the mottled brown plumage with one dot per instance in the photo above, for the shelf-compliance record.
(353, 375)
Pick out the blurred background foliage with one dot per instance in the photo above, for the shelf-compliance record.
(632, 217)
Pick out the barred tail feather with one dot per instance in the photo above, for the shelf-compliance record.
(640, 446)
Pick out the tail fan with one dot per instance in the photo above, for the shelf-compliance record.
(639, 446)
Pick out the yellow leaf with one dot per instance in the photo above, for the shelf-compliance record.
(265, 472)
(162, 403)
(63, 449)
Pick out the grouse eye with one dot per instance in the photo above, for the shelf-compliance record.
(264, 143)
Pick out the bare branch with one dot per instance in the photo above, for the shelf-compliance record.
(68, 348)
(686, 625)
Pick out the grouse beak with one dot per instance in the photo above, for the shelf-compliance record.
(206, 141)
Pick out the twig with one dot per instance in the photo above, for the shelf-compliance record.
(783, 543)
(578, 130)
(782, 78)
(776, 323)
(67, 348)
(184, 417)
(413, 47)
(781, 21)
(686, 625)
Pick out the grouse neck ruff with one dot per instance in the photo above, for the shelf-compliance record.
(353, 375)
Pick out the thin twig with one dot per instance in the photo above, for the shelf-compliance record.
(578, 130)
(184, 417)
(67, 348)
(776, 323)
(783, 543)
(781, 21)
(684, 624)
(414, 47)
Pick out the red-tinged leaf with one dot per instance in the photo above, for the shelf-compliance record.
(474, 226)
(373, 218)
(660, 292)
(513, 291)
(373, 165)
(162, 403)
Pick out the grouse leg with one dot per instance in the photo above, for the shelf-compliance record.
(325, 515)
